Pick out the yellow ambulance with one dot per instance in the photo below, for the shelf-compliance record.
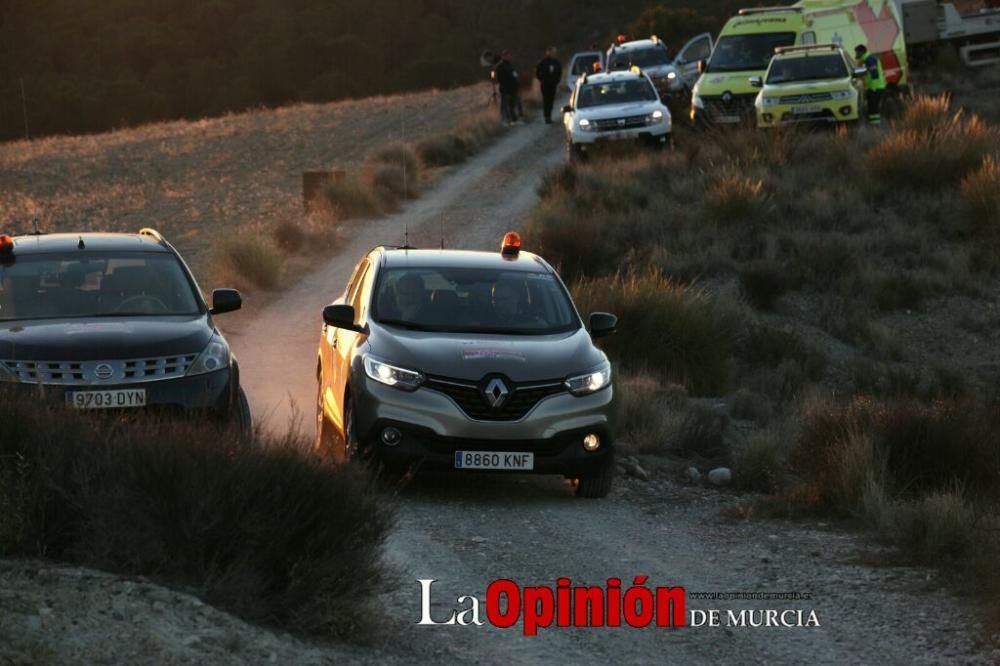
(724, 94)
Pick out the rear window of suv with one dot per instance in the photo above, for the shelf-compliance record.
(473, 300)
(95, 284)
(616, 92)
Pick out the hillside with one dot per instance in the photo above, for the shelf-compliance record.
(201, 181)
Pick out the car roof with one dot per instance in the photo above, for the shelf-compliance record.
(803, 52)
(637, 44)
(93, 242)
(612, 77)
(406, 258)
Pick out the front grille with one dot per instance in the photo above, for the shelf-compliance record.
(87, 373)
(805, 99)
(470, 398)
(823, 115)
(613, 124)
(738, 106)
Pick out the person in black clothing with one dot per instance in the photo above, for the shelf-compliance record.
(507, 81)
(549, 73)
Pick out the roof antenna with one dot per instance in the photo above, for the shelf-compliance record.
(441, 231)
(80, 245)
(406, 236)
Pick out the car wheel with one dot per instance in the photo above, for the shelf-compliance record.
(244, 419)
(354, 450)
(596, 484)
(325, 443)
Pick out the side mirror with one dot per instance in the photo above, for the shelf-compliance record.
(756, 82)
(341, 316)
(860, 71)
(567, 109)
(225, 300)
(602, 324)
(702, 64)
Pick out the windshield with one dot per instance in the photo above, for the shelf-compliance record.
(616, 92)
(473, 300)
(654, 56)
(584, 64)
(808, 68)
(94, 284)
(745, 53)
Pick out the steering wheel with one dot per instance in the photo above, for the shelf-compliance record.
(143, 298)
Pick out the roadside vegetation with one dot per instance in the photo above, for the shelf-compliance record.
(835, 291)
(251, 525)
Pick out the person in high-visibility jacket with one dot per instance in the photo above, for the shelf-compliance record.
(874, 81)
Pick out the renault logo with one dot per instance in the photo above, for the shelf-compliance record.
(727, 97)
(104, 371)
(496, 392)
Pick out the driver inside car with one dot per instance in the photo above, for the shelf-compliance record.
(510, 299)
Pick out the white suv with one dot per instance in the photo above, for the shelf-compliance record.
(672, 75)
(614, 106)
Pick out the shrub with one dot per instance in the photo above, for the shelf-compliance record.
(760, 464)
(350, 198)
(674, 332)
(255, 526)
(289, 235)
(255, 258)
(457, 145)
(648, 412)
(734, 199)
(390, 184)
(763, 282)
(767, 346)
(398, 155)
(938, 526)
(981, 197)
(926, 114)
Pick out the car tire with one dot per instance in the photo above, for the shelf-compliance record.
(354, 450)
(596, 484)
(325, 443)
(244, 418)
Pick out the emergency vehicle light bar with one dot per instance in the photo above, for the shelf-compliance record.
(806, 47)
(6, 244)
(511, 245)
(768, 10)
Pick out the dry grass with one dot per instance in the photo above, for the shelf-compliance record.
(981, 197)
(648, 412)
(253, 257)
(736, 200)
(458, 144)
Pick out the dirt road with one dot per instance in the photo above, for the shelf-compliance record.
(467, 532)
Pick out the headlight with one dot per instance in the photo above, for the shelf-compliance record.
(214, 357)
(390, 375)
(593, 380)
(584, 124)
(654, 118)
(671, 75)
(842, 94)
(769, 101)
(697, 102)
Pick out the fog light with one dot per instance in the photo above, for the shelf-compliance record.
(845, 110)
(591, 442)
(391, 436)
(767, 117)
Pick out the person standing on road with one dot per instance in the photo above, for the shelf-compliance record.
(549, 74)
(507, 81)
(874, 82)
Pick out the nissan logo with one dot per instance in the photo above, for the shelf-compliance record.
(621, 122)
(104, 371)
(496, 392)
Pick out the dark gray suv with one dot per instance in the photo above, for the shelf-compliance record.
(466, 361)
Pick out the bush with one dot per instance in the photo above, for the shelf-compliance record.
(981, 197)
(763, 282)
(399, 155)
(648, 413)
(674, 332)
(255, 526)
(926, 114)
(457, 145)
(760, 464)
(289, 235)
(734, 199)
(256, 259)
(350, 198)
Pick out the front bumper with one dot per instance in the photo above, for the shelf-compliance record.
(650, 133)
(215, 393)
(434, 427)
(834, 111)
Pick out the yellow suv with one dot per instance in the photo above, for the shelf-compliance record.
(809, 84)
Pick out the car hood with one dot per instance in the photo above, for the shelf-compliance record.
(472, 357)
(102, 338)
(620, 110)
(717, 83)
(807, 87)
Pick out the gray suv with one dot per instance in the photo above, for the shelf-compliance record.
(466, 361)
